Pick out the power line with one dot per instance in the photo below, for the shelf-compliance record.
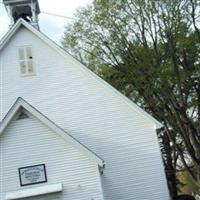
(53, 14)
(57, 15)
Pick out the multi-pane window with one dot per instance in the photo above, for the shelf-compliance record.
(26, 61)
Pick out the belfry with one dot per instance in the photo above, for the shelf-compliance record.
(26, 9)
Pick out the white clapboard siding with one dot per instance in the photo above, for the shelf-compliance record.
(93, 113)
(28, 142)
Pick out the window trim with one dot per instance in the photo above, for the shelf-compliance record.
(26, 60)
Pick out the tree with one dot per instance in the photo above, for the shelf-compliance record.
(188, 184)
(149, 50)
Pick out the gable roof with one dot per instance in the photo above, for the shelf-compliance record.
(77, 63)
(21, 103)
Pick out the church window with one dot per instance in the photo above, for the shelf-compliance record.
(26, 61)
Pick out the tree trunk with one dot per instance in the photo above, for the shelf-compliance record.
(169, 166)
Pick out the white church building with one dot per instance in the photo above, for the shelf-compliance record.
(65, 134)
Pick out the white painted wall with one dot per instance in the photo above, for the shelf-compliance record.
(28, 142)
(93, 114)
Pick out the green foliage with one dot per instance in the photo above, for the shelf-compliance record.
(188, 186)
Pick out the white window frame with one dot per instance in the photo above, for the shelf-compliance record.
(26, 61)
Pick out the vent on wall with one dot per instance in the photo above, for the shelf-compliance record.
(22, 115)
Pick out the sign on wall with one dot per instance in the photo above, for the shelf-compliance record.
(32, 175)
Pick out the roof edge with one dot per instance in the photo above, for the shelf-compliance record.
(21, 103)
(83, 68)
(10, 33)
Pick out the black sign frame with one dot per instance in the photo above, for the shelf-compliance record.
(40, 165)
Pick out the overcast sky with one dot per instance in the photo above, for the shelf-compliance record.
(50, 25)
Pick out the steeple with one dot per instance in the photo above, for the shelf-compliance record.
(26, 9)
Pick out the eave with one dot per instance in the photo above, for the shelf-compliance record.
(22, 104)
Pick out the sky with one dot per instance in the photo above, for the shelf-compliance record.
(52, 26)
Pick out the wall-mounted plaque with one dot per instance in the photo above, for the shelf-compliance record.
(32, 175)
